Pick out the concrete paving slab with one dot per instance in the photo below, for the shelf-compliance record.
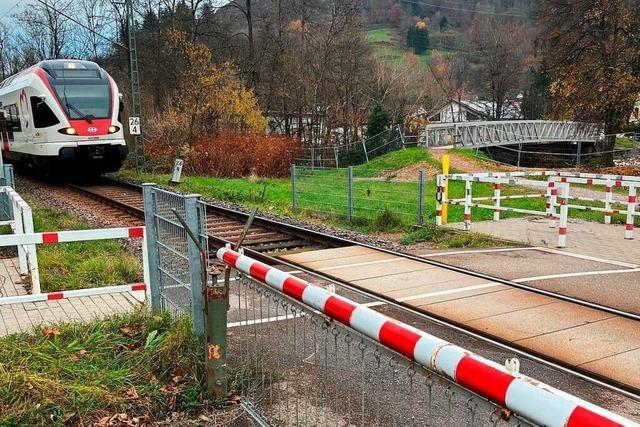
(378, 270)
(373, 257)
(538, 320)
(622, 367)
(324, 254)
(484, 305)
(416, 279)
(587, 343)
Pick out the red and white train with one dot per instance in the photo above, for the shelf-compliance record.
(62, 116)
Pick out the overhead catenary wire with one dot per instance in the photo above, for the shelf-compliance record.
(460, 9)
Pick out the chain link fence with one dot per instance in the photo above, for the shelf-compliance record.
(360, 194)
(7, 179)
(354, 153)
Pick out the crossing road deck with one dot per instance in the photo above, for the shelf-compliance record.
(596, 342)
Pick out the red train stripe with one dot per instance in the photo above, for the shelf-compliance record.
(485, 380)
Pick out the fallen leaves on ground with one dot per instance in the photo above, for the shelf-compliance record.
(50, 331)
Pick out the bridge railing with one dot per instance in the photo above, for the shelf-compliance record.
(484, 133)
(312, 357)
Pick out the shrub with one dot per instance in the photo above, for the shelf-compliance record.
(228, 155)
(387, 220)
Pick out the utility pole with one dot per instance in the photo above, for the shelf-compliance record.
(136, 103)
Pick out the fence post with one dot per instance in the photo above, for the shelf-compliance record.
(294, 201)
(519, 153)
(631, 208)
(350, 193)
(364, 148)
(313, 158)
(335, 153)
(467, 204)
(439, 196)
(216, 304)
(18, 222)
(421, 197)
(608, 199)
(401, 137)
(564, 211)
(496, 202)
(151, 237)
(579, 153)
(553, 201)
(195, 268)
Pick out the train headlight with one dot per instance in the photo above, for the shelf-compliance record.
(68, 131)
(113, 129)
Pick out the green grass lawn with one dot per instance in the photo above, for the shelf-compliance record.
(384, 47)
(378, 35)
(65, 266)
(322, 194)
(75, 374)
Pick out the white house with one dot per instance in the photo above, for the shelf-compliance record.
(468, 111)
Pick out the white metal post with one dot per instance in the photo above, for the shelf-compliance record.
(31, 251)
(564, 212)
(631, 209)
(467, 204)
(19, 229)
(608, 199)
(553, 201)
(496, 202)
(146, 272)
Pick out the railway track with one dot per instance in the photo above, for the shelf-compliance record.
(274, 242)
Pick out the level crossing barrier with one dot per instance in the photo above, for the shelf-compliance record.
(342, 331)
(557, 195)
(20, 220)
(27, 239)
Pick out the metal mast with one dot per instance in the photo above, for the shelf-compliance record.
(136, 103)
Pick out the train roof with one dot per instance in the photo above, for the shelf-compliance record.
(58, 68)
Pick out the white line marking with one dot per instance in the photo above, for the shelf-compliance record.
(476, 251)
(581, 273)
(587, 257)
(437, 293)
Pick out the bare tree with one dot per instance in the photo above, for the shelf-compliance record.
(44, 29)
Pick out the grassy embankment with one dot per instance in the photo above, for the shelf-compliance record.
(384, 46)
(65, 266)
(382, 201)
(75, 374)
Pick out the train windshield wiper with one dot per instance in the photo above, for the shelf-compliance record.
(87, 117)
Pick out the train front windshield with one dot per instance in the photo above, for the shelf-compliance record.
(83, 99)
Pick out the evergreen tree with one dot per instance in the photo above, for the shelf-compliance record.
(421, 38)
(411, 37)
(379, 120)
(444, 23)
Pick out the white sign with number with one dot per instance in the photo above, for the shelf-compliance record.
(177, 171)
(134, 125)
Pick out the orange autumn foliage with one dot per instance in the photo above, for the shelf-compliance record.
(229, 155)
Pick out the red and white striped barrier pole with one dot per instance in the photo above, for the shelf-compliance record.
(70, 236)
(564, 214)
(536, 401)
(467, 205)
(631, 209)
(73, 293)
(439, 199)
(608, 199)
(496, 204)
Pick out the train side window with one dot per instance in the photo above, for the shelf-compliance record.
(43, 117)
(6, 124)
(14, 118)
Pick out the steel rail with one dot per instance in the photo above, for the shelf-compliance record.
(319, 237)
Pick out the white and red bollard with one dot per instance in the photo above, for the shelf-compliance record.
(550, 206)
(608, 199)
(467, 205)
(564, 213)
(631, 210)
(496, 201)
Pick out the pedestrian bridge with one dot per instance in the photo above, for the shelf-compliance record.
(494, 133)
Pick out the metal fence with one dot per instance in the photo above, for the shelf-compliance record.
(359, 194)
(354, 153)
(174, 259)
(291, 366)
(6, 180)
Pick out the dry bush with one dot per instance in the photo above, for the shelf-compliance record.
(228, 155)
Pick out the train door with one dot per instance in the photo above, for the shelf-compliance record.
(25, 117)
(4, 135)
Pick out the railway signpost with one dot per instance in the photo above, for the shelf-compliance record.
(134, 126)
